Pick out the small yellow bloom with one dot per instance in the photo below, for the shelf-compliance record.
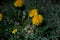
(14, 31)
(18, 3)
(33, 12)
(1, 17)
(37, 19)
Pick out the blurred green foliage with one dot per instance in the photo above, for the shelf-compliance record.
(18, 18)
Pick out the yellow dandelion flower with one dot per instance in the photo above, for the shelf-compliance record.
(1, 16)
(18, 3)
(14, 31)
(33, 12)
(37, 19)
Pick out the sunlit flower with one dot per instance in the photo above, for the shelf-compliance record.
(18, 3)
(33, 12)
(14, 31)
(37, 19)
(1, 16)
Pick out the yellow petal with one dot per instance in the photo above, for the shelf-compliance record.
(33, 12)
(18, 3)
(37, 19)
(14, 31)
